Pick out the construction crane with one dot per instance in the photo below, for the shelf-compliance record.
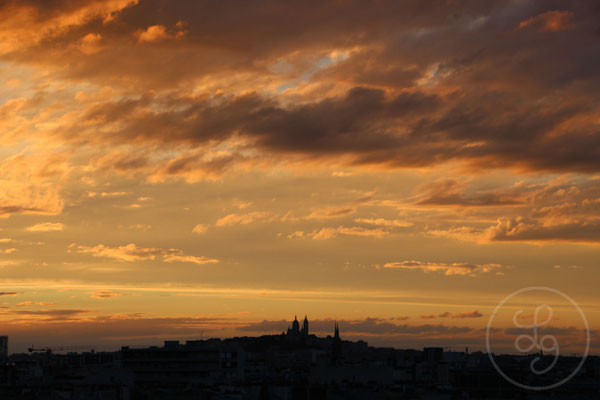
(51, 349)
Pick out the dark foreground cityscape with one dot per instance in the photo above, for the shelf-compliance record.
(293, 365)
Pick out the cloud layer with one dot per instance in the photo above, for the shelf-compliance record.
(475, 83)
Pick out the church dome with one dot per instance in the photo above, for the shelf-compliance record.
(296, 325)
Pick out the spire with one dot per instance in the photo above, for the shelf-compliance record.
(305, 326)
(336, 345)
(336, 333)
(295, 325)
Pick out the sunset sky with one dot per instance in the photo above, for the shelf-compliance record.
(178, 169)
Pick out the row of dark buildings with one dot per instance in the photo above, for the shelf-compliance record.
(294, 365)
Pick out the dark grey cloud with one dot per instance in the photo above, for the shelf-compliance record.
(461, 315)
(8, 210)
(547, 330)
(449, 192)
(427, 82)
(371, 326)
(365, 125)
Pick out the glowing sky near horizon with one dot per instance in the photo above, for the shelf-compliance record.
(170, 169)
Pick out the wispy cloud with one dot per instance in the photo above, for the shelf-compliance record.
(446, 269)
(550, 21)
(242, 219)
(330, 233)
(36, 303)
(47, 227)
(132, 252)
(178, 256)
(106, 194)
(384, 222)
(107, 294)
(156, 33)
(200, 228)
(461, 315)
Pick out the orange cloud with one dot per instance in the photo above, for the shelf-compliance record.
(353, 106)
(32, 303)
(45, 315)
(189, 259)
(384, 222)
(550, 21)
(132, 252)
(107, 294)
(90, 43)
(153, 34)
(107, 194)
(331, 212)
(28, 184)
(241, 219)
(560, 210)
(156, 33)
(30, 23)
(46, 227)
(446, 269)
(200, 228)
(330, 233)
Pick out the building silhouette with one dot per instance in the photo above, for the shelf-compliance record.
(275, 367)
(295, 331)
(3, 348)
(336, 345)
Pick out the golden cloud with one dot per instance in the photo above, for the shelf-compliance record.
(132, 252)
(446, 269)
(242, 219)
(46, 227)
(330, 233)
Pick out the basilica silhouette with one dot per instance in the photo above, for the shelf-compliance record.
(295, 330)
